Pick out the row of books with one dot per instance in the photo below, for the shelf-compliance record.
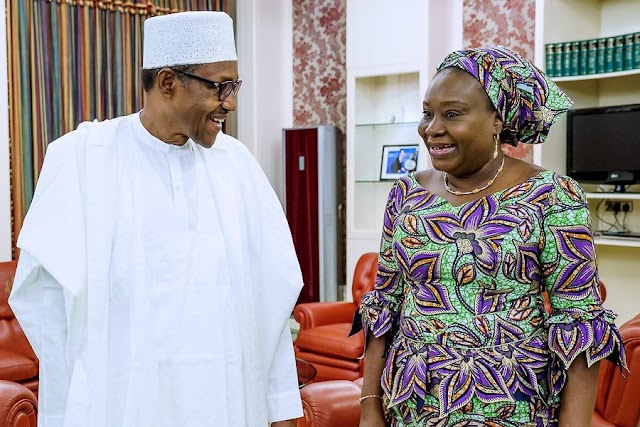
(594, 56)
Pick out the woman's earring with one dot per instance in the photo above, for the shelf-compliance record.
(496, 138)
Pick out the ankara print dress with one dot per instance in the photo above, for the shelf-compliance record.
(459, 289)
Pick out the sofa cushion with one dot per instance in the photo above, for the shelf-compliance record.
(14, 367)
(332, 340)
(352, 365)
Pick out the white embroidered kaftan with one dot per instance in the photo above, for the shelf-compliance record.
(155, 283)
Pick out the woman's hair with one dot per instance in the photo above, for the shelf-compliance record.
(526, 99)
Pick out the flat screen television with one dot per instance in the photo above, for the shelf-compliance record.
(603, 145)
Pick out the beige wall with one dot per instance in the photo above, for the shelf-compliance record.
(620, 272)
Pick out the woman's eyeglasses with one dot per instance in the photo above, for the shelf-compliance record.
(225, 89)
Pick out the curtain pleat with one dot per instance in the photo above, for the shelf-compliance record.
(71, 61)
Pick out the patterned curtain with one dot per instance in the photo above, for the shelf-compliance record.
(71, 61)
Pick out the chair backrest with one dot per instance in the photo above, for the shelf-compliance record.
(364, 275)
(617, 399)
(11, 334)
(603, 291)
(7, 272)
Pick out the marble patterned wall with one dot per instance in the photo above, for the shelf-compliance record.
(510, 23)
(319, 63)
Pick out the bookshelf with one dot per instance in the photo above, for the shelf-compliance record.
(565, 20)
(600, 76)
(386, 113)
(626, 242)
(610, 195)
(602, 218)
(570, 20)
(560, 21)
(383, 110)
(588, 19)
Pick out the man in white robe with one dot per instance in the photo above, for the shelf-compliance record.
(157, 272)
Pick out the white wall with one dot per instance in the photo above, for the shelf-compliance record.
(265, 60)
(413, 38)
(5, 194)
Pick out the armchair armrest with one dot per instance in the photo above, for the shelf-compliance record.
(330, 403)
(598, 421)
(314, 314)
(18, 405)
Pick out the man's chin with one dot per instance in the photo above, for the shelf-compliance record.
(208, 143)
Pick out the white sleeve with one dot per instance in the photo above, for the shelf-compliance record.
(283, 394)
(38, 302)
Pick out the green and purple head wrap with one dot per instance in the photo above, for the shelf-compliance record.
(526, 99)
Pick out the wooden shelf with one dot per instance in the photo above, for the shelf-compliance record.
(596, 76)
(628, 242)
(612, 195)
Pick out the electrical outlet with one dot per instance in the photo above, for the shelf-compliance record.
(619, 205)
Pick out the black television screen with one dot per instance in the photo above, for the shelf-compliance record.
(603, 144)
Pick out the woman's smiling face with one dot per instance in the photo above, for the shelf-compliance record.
(458, 123)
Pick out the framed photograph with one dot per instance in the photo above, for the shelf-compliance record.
(398, 160)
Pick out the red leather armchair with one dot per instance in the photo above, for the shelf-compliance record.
(18, 362)
(323, 339)
(617, 399)
(331, 404)
(18, 407)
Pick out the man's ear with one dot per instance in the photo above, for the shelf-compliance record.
(167, 82)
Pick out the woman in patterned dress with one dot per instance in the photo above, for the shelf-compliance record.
(456, 330)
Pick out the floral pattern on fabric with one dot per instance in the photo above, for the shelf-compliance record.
(460, 291)
(526, 99)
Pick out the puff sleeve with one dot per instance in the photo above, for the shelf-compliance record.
(379, 310)
(578, 322)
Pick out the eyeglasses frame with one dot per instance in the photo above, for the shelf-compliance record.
(235, 86)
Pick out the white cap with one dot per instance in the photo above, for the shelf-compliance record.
(188, 38)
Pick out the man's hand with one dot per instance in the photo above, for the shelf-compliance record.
(287, 423)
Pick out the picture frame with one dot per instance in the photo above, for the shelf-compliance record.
(398, 160)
